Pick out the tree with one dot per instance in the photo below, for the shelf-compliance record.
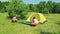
(0, 5)
(3, 6)
(17, 8)
(33, 7)
(57, 8)
(49, 6)
(42, 5)
(46, 11)
(30, 7)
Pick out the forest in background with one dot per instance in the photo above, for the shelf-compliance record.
(20, 9)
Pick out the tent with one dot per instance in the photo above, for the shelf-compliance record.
(41, 18)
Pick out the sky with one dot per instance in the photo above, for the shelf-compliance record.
(34, 1)
(37, 1)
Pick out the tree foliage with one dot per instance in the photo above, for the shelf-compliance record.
(17, 8)
(20, 9)
(3, 6)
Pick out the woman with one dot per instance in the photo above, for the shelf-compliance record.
(35, 22)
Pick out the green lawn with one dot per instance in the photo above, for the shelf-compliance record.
(50, 27)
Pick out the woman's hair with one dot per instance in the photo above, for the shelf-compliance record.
(33, 17)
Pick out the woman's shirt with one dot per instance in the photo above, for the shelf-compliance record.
(35, 21)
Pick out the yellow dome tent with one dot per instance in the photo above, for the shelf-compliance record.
(41, 18)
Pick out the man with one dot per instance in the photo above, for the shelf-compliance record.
(14, 19)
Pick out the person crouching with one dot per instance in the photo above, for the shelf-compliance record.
(14, 19)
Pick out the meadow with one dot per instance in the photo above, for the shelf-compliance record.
(52, 26)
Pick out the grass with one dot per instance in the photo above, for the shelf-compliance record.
(50, 27)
